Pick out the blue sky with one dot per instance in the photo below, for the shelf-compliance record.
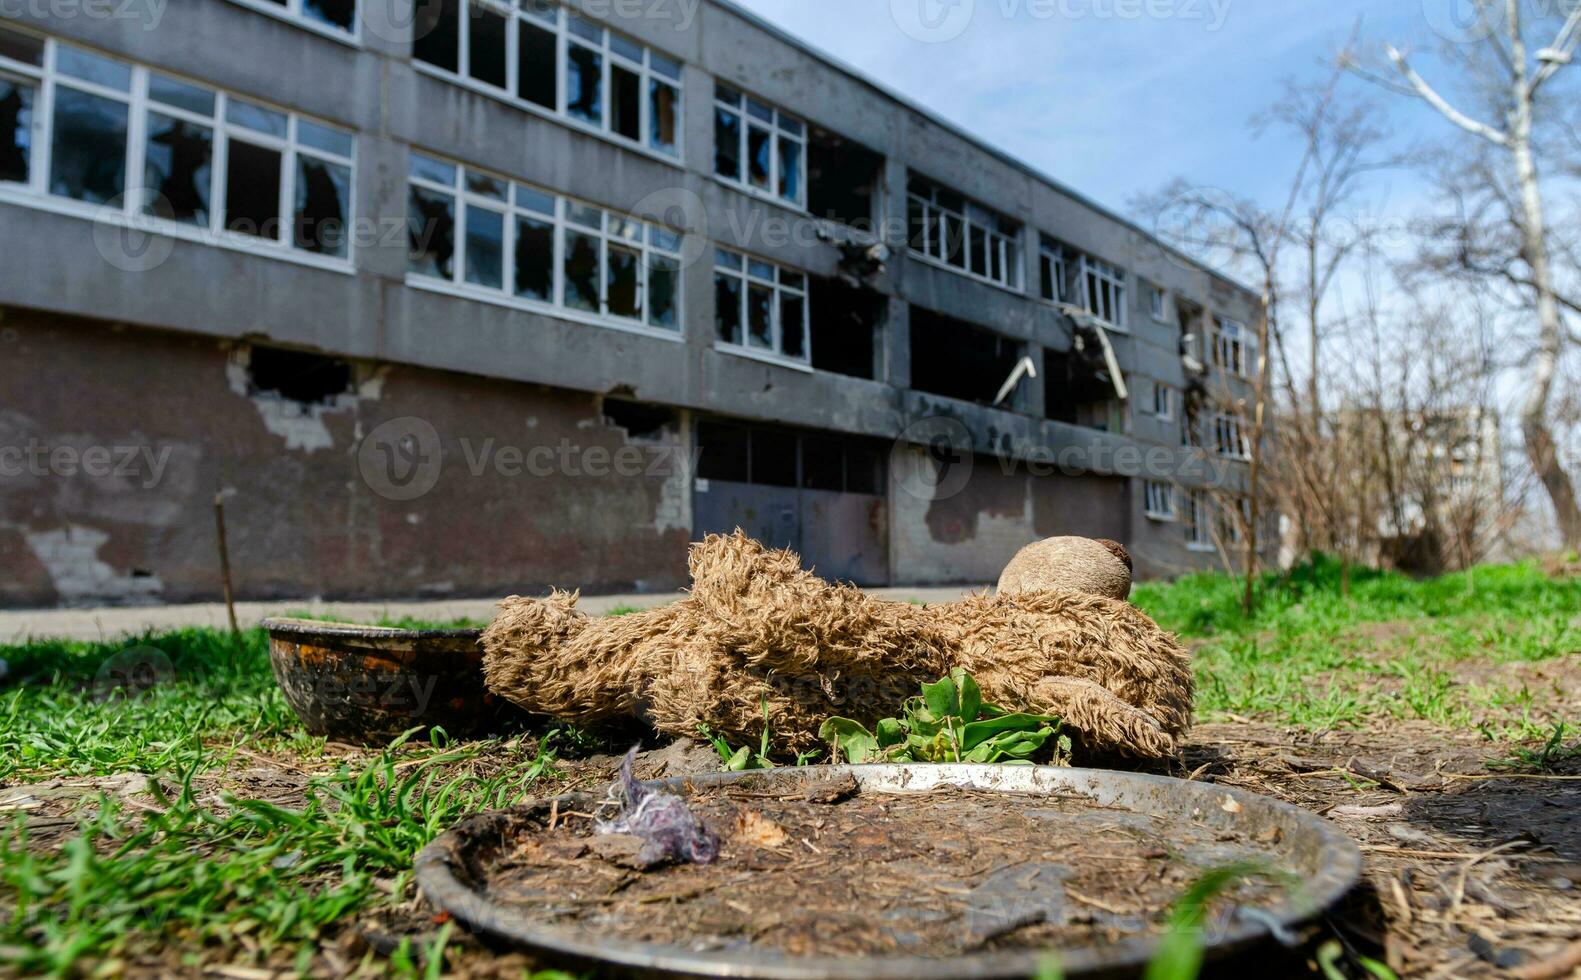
(1118, 106)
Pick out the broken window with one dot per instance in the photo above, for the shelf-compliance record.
(769, 301)
(1079, 386)
(1229, 437)
(1074, 277)
(340, 15)
(948, 228)
(956, 359)
(1159, 500)
(772, 145)
(1231, 346)
(607, 264)
(280, 169)
(603, 79)
(89, 132)
(845, 324)
(299, 376)
(843, 178)
(323, 189)
(723, 452)
(16, 129)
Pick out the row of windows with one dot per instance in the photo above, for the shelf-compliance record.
(542, 55)
(484, 232)
(145, 144)
(960, 233)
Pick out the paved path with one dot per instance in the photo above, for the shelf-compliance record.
(106, 623)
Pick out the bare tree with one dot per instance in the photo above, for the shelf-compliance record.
(1514, 88)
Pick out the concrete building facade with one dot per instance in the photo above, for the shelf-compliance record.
(463, 299)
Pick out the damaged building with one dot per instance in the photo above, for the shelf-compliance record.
(465, 299)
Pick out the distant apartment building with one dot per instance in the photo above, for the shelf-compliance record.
(466, 298)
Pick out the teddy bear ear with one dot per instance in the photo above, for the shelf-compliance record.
(1118, 550)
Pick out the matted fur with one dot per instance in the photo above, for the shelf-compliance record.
(757, 630)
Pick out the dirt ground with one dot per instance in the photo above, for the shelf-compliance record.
(1470, 871)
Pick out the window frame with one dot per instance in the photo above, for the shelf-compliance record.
(1232, 346)
(291, 11)
(1199, 522)
(35, 192)
(778, 134)
(1166, 413)
(742, 272)
(935, 217)
(1229, 438)
(1158, 303)
(1069, 268)
(558, 22)
(648, 247)
(1150, 488)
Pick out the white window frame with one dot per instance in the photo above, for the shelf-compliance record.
(780, 127)
(1232, 346)
(1159, 500)
(1199, 518)
(129, 213)
(1053, 271)
(936, 218)
(1158, 303)
(739, 265)
(652, 245)
(1163, 402)
(654, 69)
(1229, 438)
(292, 12)
(1110, 282)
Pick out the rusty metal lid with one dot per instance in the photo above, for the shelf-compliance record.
(1321, 863)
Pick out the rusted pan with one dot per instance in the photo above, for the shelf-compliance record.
(371, 683)
(457, 873)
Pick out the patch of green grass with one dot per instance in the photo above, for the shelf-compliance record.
(245, 874)
(1393, 648)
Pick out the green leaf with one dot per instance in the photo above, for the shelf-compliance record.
(976, 732)
(971, 696)
(942, 699)
(849, 738)
(740, 761)
(889, 732)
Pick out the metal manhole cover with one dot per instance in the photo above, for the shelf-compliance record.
(907, 872)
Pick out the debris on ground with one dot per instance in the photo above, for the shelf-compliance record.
(663, 828)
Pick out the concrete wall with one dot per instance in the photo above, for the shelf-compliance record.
(125, 436)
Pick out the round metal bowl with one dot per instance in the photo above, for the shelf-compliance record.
(1309, 851)
(370, 684)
